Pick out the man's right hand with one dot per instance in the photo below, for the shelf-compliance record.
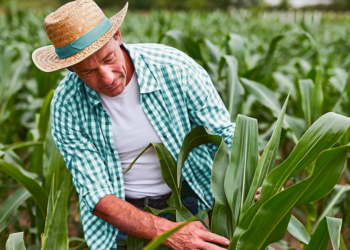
(195, 236)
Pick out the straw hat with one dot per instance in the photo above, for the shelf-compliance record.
(77, 30)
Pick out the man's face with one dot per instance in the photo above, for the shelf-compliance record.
(105, 71)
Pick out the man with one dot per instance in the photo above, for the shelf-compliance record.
(118, 99)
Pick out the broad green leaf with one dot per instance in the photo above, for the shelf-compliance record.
(323, 134)
(235, 46)
(320, 238)
(15, 242)
(306, 89)
(214, 51)
(267, 160)
(328, 228)
(338, 193)
(10, 206)
(39, 194)
(55, 169)
(317, 95)
(345, 139)
(297, 229)
(327, 172)
(196, 137)
(264, 66)
(342, 244)
(334, 227)
(50, 207)
(221, 219)
(37, 159)
(234, 90)
(243, 163)
(57, 233)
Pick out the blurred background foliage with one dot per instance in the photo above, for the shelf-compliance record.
(274, 45)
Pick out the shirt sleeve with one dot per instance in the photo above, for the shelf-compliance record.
(85, 162)
(205, 105)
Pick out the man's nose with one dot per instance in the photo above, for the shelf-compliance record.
(106, 75)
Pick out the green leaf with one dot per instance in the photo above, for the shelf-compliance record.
(298, 230)
(15, 242)
(234, 90)
(20, 175)
(323, 134)
(55, 170)
(57, 233)
(244, 160)
(338, 193)
(50, 207)
(328, 228)
(267, 160)
(235, 46)
(20, 145)
(264, 66)
(306, 89)
(317, 95)
(221, 219)
(327, 172)
(10, 206)
(197, 136)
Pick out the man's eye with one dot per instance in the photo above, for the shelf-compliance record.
(87, 72)
(110, 59)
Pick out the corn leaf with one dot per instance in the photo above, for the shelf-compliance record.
(234, 90)
(221, 219)
(306, 89)
(243, 163)
(15, 242)
(20, 175)
(197, 136)
(267, 161)
(297, 229)
(328, 228)
(327, 172)
(10, 206)
(57, 232)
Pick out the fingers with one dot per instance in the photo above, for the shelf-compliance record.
(211, 237)
(256, 197)
(208, 246)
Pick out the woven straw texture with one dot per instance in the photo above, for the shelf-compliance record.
(67, 24)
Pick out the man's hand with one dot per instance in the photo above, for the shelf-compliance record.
(195, 236)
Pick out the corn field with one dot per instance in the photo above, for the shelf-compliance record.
(258, 61)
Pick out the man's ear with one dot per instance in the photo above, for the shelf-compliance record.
(118, 37)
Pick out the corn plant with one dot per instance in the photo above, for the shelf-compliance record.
(236, 175)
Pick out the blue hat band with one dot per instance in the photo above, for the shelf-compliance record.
(85, 40)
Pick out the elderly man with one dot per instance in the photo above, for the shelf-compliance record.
(117, 99)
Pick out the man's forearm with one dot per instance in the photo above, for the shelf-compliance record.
(130, 219)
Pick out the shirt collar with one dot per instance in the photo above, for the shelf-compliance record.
(145, 77)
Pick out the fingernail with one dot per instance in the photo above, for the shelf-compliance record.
(227, 242)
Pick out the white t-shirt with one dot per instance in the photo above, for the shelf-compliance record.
(132, 132)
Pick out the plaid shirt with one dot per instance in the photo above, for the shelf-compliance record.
(176, 95)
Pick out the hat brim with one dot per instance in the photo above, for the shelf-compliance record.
(46, 59)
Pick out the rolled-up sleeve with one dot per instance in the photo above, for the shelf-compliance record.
(85, 162)
(205, 105)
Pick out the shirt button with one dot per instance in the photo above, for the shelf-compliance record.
(190, 179)
(118, 178)
(107, 123)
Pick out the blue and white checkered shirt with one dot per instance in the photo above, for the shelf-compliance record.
(176, 95)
